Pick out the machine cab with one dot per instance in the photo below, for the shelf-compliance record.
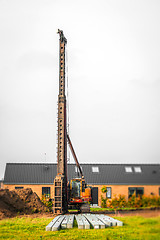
(79, 192)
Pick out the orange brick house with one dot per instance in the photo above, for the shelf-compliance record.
(123, 179)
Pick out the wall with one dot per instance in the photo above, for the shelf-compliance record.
(123, 190)
(1, 185)
(35, 188)
(115, 189)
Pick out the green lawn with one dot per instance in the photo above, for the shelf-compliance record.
(119, 209)
(34, 228)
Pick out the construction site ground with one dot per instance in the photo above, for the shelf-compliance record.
(143, 213)
(24, 216)
(24, 202)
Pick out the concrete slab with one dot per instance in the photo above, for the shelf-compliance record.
(57, 224)
(49, 226)
(64, 222)
(80, 222)
(107, 222)
(70, 221)
(114, 222)
(84, 221)
(94, 221)
(119, 223)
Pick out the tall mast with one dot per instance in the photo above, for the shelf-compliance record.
(62, 136)
(60, 182)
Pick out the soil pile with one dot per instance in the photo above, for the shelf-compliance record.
(22, 201)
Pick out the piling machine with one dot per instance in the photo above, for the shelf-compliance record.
(75, 193)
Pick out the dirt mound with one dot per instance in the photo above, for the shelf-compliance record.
(22, 201)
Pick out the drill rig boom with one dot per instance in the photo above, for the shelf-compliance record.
(78, 194)
(60, 182)
(74, 156)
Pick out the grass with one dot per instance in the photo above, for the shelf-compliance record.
(117, 209)
(136, 228)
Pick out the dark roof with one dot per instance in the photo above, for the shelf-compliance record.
(44, 173)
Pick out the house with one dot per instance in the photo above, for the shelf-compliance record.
(123, 179)
(1, 184)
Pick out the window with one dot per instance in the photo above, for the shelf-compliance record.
(18, 187)
(128, 169)
(137, 169)
(83, 186)
(108, 193)
(139, 191)
(95, 169)
(46, 191)
(76, 189)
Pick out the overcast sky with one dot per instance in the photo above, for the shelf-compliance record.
(113, 79)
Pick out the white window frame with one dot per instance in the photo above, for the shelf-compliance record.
(109, 192)
(95, 169)
(128, 169)
(137, 169)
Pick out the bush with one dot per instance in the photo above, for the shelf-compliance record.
(117, 202)
(133, 202)
(122, 201)
(104, 189)
(103, 202)
(152, 201)
(47, 202)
